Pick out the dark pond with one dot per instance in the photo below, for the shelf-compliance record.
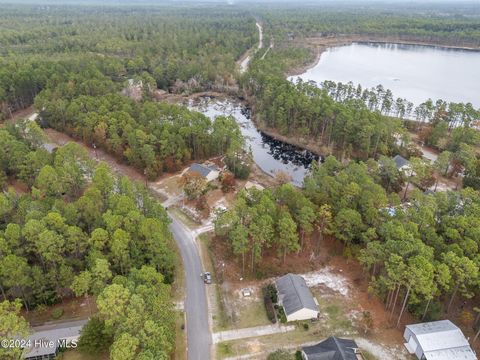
(269, 154)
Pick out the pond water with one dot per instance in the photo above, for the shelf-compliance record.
(413, 72)
(269, 154)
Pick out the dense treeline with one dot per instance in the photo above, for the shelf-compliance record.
(421, 255)
(454, 24)
(426, 250)
(170, 44)
(382, 100)
(80, 230)
(306, 110)
(350, 121)
(152, 136)
(264, 219)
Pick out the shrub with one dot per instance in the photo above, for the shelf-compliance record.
(94, 337)
(281, 315)
(271, 291)
(239, 166)
(366, 322)
(434, 311)
(57, 313)
(280, 355)
(298, 355)
(269, 309)
(305, 326)
(228, 182)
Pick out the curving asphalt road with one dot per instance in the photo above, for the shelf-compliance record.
(196, 308)
(198, 331)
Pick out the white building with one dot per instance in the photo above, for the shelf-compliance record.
(437, 340)
(295, 298)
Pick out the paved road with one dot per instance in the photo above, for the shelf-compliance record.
(198, 331)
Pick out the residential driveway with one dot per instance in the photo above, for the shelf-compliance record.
(250, 332)
(196, 309)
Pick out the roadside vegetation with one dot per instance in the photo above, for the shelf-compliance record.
(81, 231)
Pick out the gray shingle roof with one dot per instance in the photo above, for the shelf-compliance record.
(332, 349)
(295, 294)
(400, 161)
(201, 169)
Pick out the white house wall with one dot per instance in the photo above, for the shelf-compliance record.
(302, 314)
(212, 175)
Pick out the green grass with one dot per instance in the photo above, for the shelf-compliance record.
(220, 318)
(334, 321)
(224, 349)
(181, 337)
(252, 314)
(368, 356)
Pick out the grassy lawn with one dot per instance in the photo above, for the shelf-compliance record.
(333, 321)
(252, 314)
(178, 286)
(170, 185)
(233, 311)
(181, 337)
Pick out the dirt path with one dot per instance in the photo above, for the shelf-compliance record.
(61, 139)
(245, 59)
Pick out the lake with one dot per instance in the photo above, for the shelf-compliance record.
(413, 72)
(269, 154)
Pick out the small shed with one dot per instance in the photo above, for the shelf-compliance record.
(296, 298)
(332, 349)
(210, 173)
(437, 340)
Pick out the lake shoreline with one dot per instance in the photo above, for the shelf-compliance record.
(321, 44)
(309, 143)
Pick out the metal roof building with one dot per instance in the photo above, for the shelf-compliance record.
(296, 298)
(437, 340)
(332, 349)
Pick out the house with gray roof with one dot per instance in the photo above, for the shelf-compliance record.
(333, 348)
(209, 173)
(401, 163)
(46, 341)
(437, 340)
(296, 298)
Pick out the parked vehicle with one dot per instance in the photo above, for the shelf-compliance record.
(207, 278)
